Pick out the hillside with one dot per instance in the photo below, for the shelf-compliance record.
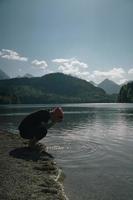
(51, 88)
(3, 75)
(109, 86)
(126, 93)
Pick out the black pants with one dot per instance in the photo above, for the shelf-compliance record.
(30, 132)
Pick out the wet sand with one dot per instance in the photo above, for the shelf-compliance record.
(27, 174)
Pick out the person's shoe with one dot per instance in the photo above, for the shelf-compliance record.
(40, 147)
(32, 143)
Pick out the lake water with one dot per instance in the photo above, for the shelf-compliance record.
(93, 145)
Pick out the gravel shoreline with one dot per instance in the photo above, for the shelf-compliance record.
(27, 174)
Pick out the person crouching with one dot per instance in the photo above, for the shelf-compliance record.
(35, 126)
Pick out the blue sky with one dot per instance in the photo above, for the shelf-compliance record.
(91, 39)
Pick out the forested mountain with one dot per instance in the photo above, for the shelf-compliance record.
(109, 86)
(3, 75)
(126, 93)
(51, 88)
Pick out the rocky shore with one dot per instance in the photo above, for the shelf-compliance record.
(27, 174)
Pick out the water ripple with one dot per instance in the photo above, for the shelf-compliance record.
(75, 154)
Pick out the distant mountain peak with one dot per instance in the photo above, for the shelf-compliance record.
(27, 75)
(3, 75)
(109, 86)
(108, 80)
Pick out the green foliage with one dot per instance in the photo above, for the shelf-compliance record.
(126, 93)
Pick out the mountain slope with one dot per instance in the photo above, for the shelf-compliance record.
(109, 86)
(51, 88)
(3, 75)
(93, 83)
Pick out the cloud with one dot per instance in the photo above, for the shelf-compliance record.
(115, 74)
(12, 55)
(130, 71)
(75, 67)
(42, 64)
(71, 62)
(122, 81)
(72, 66)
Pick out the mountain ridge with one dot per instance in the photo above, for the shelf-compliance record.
(51, 88)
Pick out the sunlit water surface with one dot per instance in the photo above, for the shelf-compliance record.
(93, 145)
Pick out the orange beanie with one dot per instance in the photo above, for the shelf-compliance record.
(58, 112)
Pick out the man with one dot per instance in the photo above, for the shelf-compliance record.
(34, 127)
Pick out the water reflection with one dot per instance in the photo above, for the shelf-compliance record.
(94, 145)
(93, 132)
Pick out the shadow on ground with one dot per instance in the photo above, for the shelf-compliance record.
(28, 154)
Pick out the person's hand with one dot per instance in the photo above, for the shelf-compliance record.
(57, 119)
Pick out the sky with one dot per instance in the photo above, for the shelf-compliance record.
(90, 39)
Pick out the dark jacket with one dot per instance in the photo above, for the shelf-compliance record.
(32, 125)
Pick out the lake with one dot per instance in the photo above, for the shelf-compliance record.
(93, 146)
